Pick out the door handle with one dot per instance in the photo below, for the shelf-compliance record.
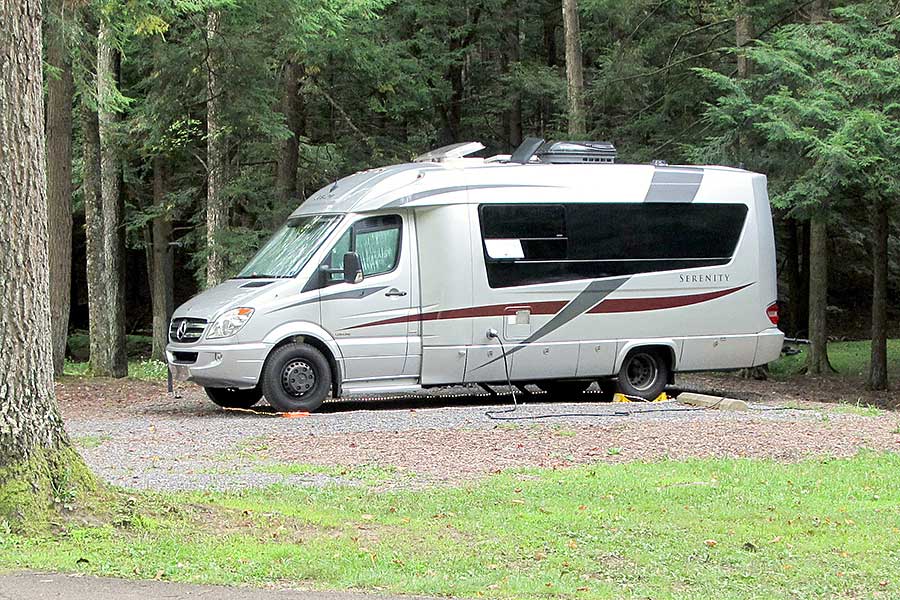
(394, 292)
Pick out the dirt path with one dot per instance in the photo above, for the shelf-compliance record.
(136, 436)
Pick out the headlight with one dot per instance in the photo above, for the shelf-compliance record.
(229, 323)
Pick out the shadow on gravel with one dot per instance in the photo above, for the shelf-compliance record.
(440, 398)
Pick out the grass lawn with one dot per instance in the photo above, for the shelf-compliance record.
(144, 369)
(701, 528)
(849, 358)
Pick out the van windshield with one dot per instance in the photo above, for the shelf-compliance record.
(290, 248)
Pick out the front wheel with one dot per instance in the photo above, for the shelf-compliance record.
(233, 397)
(644, 374)
(296, 378)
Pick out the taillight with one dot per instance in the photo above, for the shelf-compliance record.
(772, 313)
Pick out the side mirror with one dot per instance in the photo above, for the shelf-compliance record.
(353, 272)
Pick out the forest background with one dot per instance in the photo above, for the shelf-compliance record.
(181, 133)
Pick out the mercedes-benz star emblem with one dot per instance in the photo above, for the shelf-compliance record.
(181, 331)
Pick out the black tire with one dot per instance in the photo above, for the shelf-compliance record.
(644, 374)
(296, 378)
(564, 389)
(233, 397)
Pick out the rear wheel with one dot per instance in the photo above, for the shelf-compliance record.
(233, 397)
(296, 378)
(564, 389)
(644, 374)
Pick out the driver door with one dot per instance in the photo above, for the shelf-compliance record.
(371, 320)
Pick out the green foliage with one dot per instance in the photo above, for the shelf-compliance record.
(670, 529)
(822, 105)
(78, 346)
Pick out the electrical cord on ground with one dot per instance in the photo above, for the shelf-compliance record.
(498, 415)
(492, 414)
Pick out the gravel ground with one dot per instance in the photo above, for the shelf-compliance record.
(135, 435)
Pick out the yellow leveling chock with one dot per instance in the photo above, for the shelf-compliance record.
(623, 398)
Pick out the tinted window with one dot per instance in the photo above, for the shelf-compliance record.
(587, 241)
(540, 228)
(376, 240)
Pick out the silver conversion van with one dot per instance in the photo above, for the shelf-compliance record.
(553, 266)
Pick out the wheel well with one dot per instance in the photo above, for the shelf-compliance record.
(321, 347)
(667, 352)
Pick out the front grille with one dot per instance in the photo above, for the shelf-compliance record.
(186, 330)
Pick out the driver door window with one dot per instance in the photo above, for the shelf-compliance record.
(377, 242)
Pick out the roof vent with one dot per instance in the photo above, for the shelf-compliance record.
(449, 152)
(577, 153)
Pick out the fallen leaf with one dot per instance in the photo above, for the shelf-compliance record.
(711, 543)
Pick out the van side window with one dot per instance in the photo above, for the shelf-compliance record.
(375, 239)
(526, 244)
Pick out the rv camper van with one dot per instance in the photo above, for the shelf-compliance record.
(555, 266)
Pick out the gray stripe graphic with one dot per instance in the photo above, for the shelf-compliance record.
(457, 188)
(588, 298)
(674, 185)
(348, 295)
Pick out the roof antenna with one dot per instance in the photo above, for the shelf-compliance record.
(526, 150)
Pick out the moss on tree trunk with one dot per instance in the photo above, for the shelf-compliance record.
(34, 490)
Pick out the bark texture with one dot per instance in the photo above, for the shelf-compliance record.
(292, 109)
(29, 420)
(574, 68)
(818, 297)
(60, 91)
(103, 209)
(818, 266)
(161, 262)
(216, 209)
(793, 325)
(878, 379)
(511, 58)
(743, 34)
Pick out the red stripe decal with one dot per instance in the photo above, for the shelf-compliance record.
(494, 310)
(552, 307)
(619, 305)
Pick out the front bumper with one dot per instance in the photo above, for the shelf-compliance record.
(226, 365)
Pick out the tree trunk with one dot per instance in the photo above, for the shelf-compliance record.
(60, 91)
(161, 264)
(818, 268)
(803, 300)
(793, 277)
(512, 58)
(292, 109)
(878, 379)
(31, 432)
(743, 34)
(574, 68)
(216, 209)
(818, 297)
(107, 340)
(548, 29)
(93, 203)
